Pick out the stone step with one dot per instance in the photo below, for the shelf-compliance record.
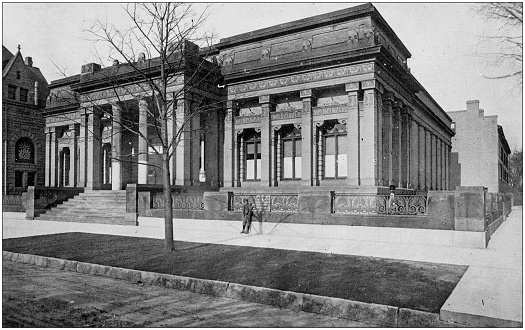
(92, 203)
(112, 221)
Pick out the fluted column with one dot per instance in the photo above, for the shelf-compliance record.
(387, 136)
(73, 156)
(428, 155)
(405, 148)
(422, 158)
(396, 145)
(142, 171)
(352, 135)
(414, 154)
(116, 147)
(54, 157)
(307, 160)
(266, 157)
(48, 158)
(93, 173)
(229, 139)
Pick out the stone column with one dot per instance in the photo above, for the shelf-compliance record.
(183, 150)
(352, 134)
(273, 150)
(396, 145)
(414, 154)
(73, 156)
(229, 138)
(142, 170)
(116, 147)
(82, 146)
(266, 157)
(320, 161)
(439, 162)
(428, 155)
(369, 133)
(93, 174)
(447, 165)
(54, 157)
(307, 160)
(388, 101)
(278, 156)
(405, 147)
(422, 158)
(195, 142)
(48, 158)
(241, 170)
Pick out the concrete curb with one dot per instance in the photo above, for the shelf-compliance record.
(382, 315)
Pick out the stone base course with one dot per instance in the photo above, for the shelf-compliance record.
(382, 315)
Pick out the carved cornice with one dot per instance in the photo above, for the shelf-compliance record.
(329, 110)
(351, 70)
(286, 114)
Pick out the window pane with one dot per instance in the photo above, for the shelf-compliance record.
(23, 95)
(250, 169)
(287, 167)
(298, 148)
(250, 148)
(329, 166)
(330, 145)
(259, 167)
(341, 166)
(287, 148)
(342, 144)
(11, 92)
(297, 167)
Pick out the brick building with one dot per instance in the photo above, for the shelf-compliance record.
(24, 93)
(326, 103)
(480, 152)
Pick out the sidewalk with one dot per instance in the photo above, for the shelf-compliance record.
(489, 293)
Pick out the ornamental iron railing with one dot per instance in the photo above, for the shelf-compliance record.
(266, 202)
(413, 205)
(181, 201)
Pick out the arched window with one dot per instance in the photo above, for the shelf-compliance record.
(24, 151)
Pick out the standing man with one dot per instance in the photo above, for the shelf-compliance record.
(247, 214)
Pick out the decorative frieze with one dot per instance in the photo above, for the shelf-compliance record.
(305, 93)
(303, 78)
(286, 114)
(329, 110)
(353, 86)
(239, 120)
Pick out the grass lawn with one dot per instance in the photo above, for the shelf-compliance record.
(416, 285)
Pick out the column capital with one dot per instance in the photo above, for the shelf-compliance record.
(265, 99)
(388, 97)
(372, 84)
(306, 93)
(352, 87)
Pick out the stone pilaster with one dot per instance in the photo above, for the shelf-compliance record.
(369, 134)
(352, 134)
(48, 158)
(428, 155)
(307, 129)
(82, 150)
(183, 149)
(143, 143)
(195, 142)
(439, 160)
(396, 144)
(266, 157)
(229, 143)
(73, 156)
(116, 147)
(54, 157)
(422, 158)
(93, 174)
(387, 137)
(405, 147)
(414, 154)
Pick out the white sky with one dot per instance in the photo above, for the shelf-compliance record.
(442, 37)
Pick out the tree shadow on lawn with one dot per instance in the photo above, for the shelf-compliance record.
(416, 285)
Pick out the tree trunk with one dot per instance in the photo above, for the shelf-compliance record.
(168, 206)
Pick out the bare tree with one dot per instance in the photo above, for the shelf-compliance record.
(157, 51)
(504, 47)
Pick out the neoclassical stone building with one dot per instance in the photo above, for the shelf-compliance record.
(326, 103)
(330, 102)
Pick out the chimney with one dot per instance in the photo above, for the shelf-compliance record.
(90, 68)
(29, 61)
(473, 107)
(36, 93)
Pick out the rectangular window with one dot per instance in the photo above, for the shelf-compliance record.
(11, 92)
(253, 160)
(335, 156)
(291, 156)
(23, 94)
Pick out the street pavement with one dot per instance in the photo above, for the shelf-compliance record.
(490, 290)
(44, 297)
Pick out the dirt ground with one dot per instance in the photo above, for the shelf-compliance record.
(41, 297)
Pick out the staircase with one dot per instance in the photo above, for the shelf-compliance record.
(94, 206)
